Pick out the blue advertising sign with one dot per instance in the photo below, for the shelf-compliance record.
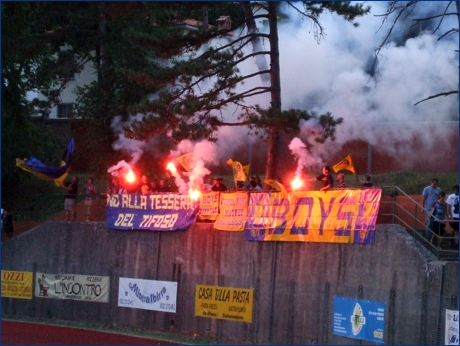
(359, 319)
(154, 212)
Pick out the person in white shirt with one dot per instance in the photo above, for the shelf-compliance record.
(452, 209)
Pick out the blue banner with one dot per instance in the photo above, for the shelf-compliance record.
(359, 319)
(154, 212)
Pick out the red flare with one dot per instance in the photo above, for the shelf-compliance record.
(296, 183)
(170, 166)
(130, 177)
(194, 194)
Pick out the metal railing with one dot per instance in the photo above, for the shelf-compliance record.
(395, 207)
(400, 208)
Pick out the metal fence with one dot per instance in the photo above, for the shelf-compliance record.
(396, 207)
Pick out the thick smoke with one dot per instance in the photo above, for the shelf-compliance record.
(334, 76)
(204, 152)
(381, 111)
(303, 157)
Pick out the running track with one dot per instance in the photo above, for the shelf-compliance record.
(36, 333)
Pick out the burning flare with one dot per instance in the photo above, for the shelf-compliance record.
(130, 177)
(296, 183)
(194, 194)
(170, 166)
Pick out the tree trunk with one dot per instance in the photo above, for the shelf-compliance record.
(102, 49)
(256, 43)
(205, 17)
(276, 143)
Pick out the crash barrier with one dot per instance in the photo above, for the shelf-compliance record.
(215, 285)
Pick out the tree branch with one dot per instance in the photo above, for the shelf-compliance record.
(451, 31)
(391, 8)
(209, 75)
(438, 95)
(313, 19)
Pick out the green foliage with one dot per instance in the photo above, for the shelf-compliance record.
(22, 140)
(191, 111)
(261, 120)
(345, 9)
(146, 62)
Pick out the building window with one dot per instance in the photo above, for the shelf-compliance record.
(45, 113)
(67, 65)
(65, 110)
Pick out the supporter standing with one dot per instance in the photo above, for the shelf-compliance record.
(113, 186)
(224, 187)
(145, 185)
(153, 186)
(452, 202)
(7, 223)
(439, 215)
(366, 182)
(239, 185)
(162, 187)
(207, 185)
(218, 185)
(430, 195)
(90, 197)
(341, 181)
(71, 198)
(258, 181)
(325, 178)
(253, 186)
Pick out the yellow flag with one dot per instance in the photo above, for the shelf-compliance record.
(238, 171)
(346, 163)
(246, 170)
(185, 161)
(276, 185)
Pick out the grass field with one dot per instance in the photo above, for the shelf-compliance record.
(411, 182)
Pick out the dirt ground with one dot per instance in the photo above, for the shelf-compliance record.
(24, 226)
(23, 333)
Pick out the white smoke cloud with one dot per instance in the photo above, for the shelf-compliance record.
(303, 157)
(204, 152)
(335, 76)
(120, 168)
(132, 147)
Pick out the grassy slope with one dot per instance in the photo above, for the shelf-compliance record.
(410, 182)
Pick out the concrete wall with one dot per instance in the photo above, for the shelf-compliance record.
(294, 282)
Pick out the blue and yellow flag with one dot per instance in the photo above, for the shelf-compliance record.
(42, 171)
